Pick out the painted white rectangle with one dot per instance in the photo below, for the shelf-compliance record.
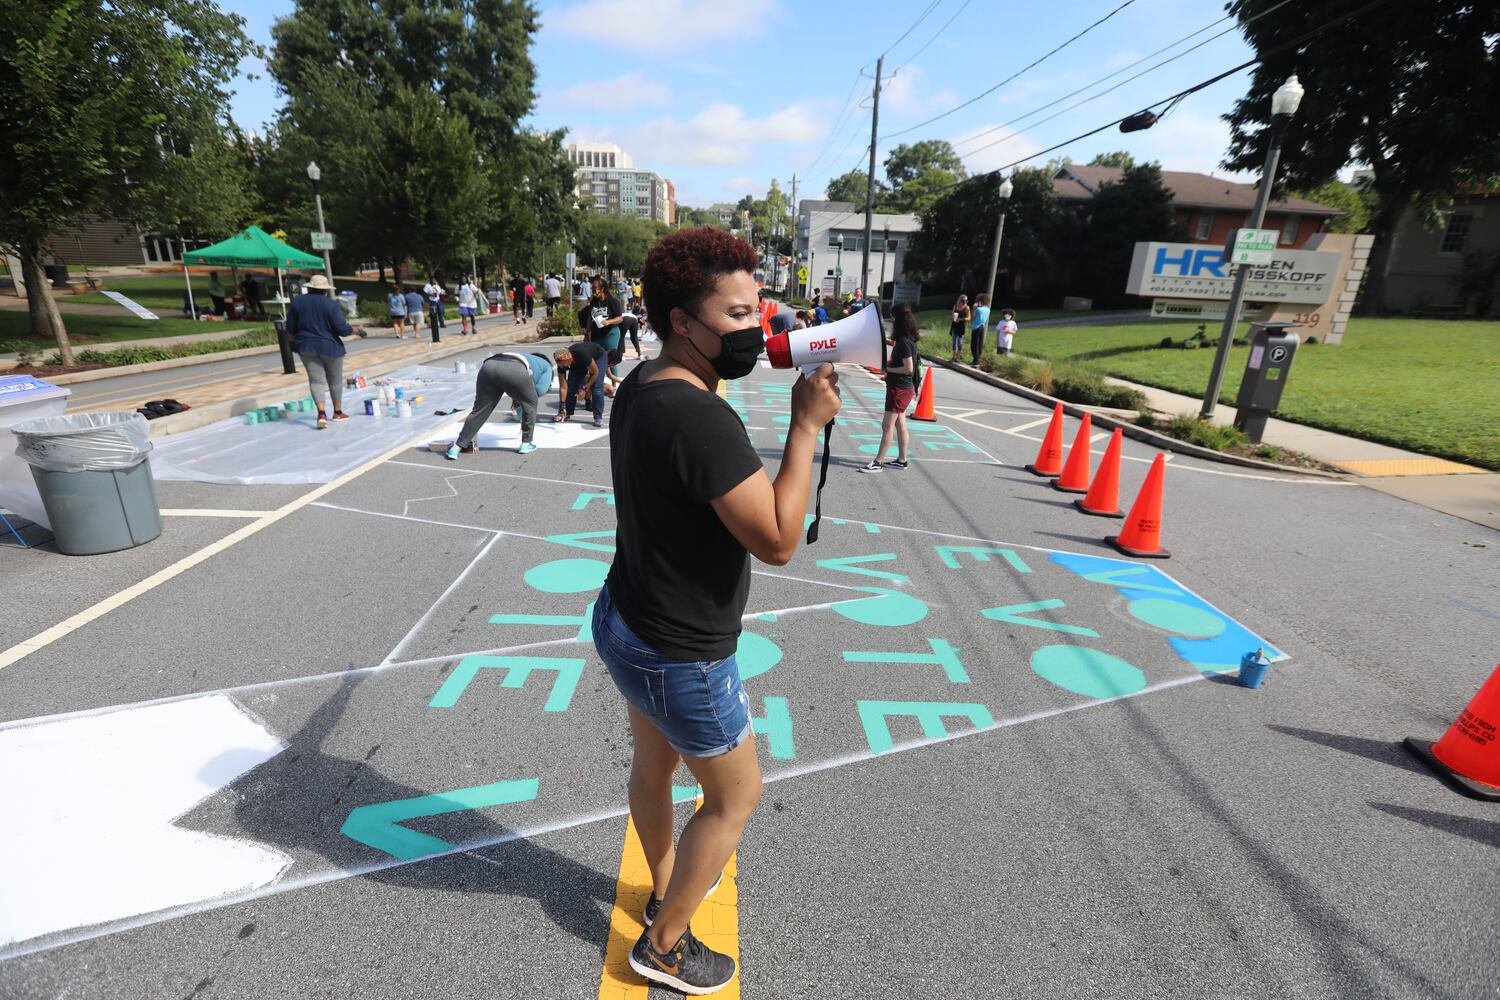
(92, 803)
(131, 304)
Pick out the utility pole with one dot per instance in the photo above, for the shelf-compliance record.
(864, 272)
(791, 209)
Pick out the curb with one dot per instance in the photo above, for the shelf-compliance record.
(202, 416)
(1130, 430)
(95, 374)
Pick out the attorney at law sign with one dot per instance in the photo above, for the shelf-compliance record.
(1194, 271)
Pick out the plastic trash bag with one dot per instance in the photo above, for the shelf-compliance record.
(83, 442)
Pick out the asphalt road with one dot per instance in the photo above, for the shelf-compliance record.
(1076, 805)
(130, 391)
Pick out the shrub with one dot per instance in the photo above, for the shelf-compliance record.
(1011, 367)
(1040, 376)
(1122, 397)
(1148, 421)
(563, 323)
(1167, 342)
(1187, 427)
(1311, 342)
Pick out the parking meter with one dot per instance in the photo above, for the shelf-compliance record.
(1272, 347)
(284, 341)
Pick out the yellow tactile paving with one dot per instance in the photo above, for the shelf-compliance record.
(1408, 467)
(717, 923)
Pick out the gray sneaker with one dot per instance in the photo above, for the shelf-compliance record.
(690, 966)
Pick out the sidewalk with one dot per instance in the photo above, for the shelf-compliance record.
(1450, 487)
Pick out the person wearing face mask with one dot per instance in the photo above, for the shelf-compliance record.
(693, 504)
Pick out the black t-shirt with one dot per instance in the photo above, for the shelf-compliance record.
(583, 352)
(593, 314)
(900, 351)
(680, 578)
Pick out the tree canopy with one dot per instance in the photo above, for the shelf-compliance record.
(137, 135)
(1412, 90)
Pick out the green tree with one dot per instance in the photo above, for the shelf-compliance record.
(852, 187)
(1382, 89)
(770, 223)
(1354, 201)
(956, 240)
(1136, 208)
(104, 107)
(1119, 158)
(627, 239)
(918, 174)
(688, 218)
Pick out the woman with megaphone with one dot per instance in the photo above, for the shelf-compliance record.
(693, 503)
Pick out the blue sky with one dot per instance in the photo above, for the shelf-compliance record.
(723, 96)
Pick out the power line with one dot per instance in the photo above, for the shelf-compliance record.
(838, 120)
(920, 18)
(1173, 99)
(1008, 79)
(912, 58)
(1123, 69)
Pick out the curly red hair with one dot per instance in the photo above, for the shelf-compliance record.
(682, 267)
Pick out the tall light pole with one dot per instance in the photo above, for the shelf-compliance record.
(1006, 188)
(1283, 106)
(838, 269)
(606, 266)
(885, 250)
(314, 175)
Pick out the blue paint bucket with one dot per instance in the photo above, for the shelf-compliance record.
(1253, 669)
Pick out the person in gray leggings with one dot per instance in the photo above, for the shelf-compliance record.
(318, 329)
(522, 377)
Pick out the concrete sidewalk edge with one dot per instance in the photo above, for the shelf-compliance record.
(202, 416)
(1130, 430)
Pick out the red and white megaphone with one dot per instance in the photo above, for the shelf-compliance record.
(855, 340)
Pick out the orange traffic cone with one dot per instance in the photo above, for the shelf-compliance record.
(1075, 474)
(1468, 755)
(1103, 499)
(1049, 456)
(1142, 534)
(925, 402)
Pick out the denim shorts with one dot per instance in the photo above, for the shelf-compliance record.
(700, 707)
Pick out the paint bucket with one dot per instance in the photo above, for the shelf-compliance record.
(252, 417)
(293, 406)
(460, 367)
(403, 409)
(1253, 668)
(400, 393)
(372, 407)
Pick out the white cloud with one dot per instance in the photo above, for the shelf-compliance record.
(720, 134)
(1185, 140)
(662, 25)
(632, 90)
(741, 183)
(907, 95)
(990, 150)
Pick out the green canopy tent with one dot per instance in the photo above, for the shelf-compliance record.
(252, 248)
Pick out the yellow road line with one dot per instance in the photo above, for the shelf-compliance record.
(47, 637)
(716, 924)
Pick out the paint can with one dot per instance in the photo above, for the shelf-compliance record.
(252, 417)
(460, 367)
(1253, 668)
(403, 409)
(400, 393)
(372, 407)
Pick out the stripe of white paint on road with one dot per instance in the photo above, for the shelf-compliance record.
(72, 623)
(206, 512)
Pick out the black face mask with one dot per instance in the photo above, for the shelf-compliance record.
(738, 352)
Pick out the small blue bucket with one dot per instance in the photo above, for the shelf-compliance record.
(1253, 669)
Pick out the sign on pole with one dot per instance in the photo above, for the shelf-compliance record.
(801, 274)
(1192, 309)
(906, 291)
(572, 260)
(322, 241)
(1256, 247)
(1194, 271)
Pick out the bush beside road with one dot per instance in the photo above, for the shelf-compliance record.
(1426, 385)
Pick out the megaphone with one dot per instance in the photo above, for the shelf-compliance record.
(855, 339)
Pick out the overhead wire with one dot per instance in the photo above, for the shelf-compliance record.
(912, 58)
(920, 18)
(838, 120)
(1122, 69)
(1014, 75)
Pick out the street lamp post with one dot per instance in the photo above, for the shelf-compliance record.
(838, 269)
(1006, 187)
(314, 175)
(885, 250)
(606, 265)
(1283, 106)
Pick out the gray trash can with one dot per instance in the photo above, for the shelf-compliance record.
(94, 477)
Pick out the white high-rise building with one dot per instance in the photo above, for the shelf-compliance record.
(609, 177)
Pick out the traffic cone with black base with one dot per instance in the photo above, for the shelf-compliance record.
(1075, 474)
(1468, 755)
(925, 401)
(1142, 534)
(1049, 457)
(1103, 498)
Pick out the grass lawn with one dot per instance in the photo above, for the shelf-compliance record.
(1427, 385)
(15, 324)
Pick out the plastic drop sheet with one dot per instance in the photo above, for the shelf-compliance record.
(292, 450)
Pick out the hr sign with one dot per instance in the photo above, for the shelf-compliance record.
(1194, 271)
